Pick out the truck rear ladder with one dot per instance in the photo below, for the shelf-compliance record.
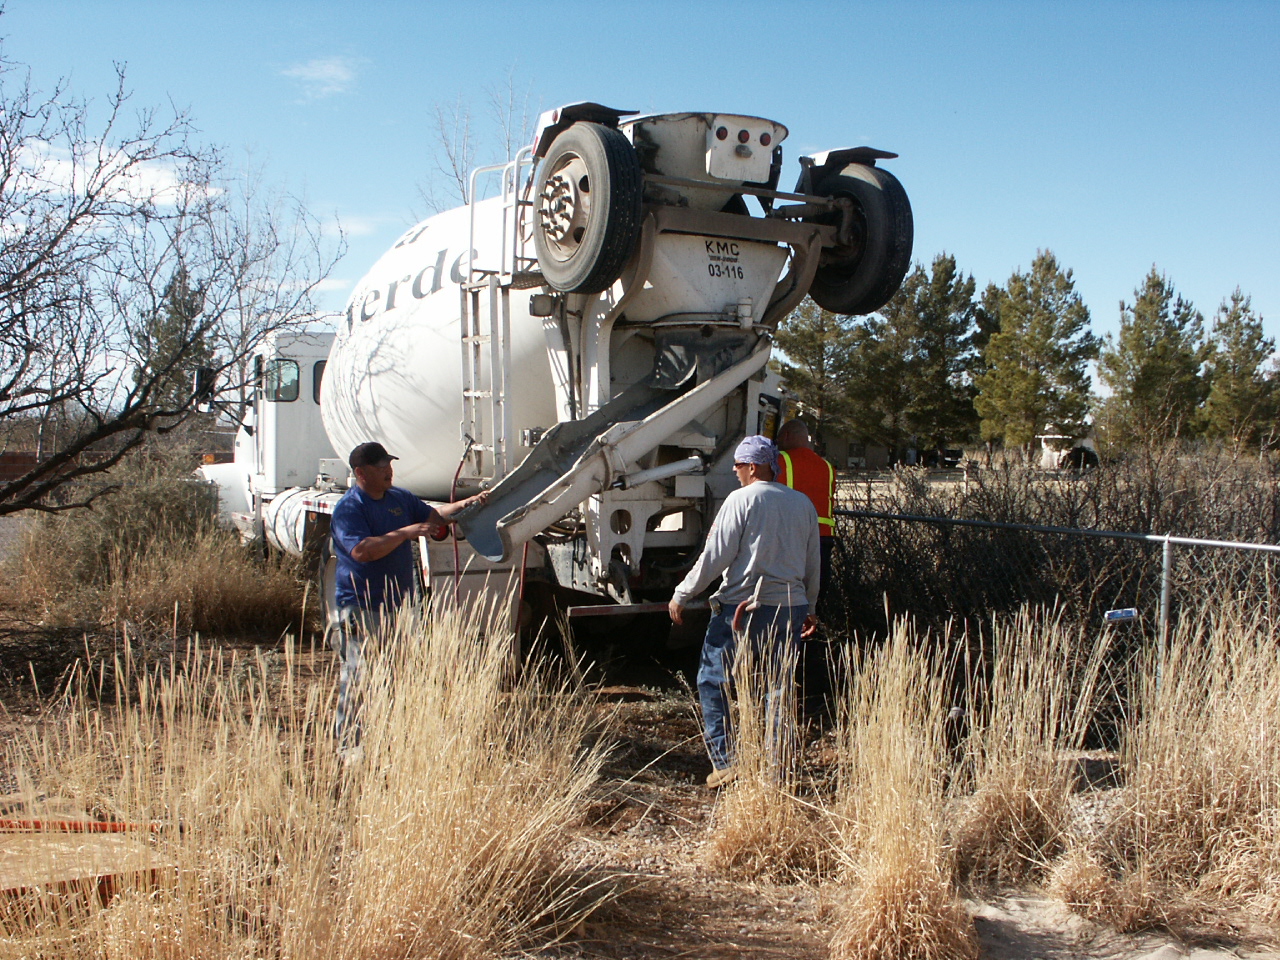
(486, 322)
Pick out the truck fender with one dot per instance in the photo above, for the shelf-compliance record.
(551, 122)
(816, 168)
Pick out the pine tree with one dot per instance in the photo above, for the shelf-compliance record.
(910, 364)
(943, 312)
(816, 345)
(1241, 401)
(172, 343)
(1153, 366)
(878, 386)
(1034, 363)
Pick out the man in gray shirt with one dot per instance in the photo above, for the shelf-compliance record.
(765, 542)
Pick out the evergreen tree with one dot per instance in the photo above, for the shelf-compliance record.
(986, 316)
(172, 343)
(878, 386)
(1034, 363)
(816, 343)
(941, 308)
(1241, 401)
(910, 364)
(1153, 366)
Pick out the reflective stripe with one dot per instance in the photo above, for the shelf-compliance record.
(829, 495)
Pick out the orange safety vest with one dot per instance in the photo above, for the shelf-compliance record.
(802, 469)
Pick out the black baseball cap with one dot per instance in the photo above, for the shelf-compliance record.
(369, 455)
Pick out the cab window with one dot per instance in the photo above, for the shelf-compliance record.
(317, 378)
(281, 381)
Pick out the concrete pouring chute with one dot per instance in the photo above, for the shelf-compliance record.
(584, 461)
(587, 341)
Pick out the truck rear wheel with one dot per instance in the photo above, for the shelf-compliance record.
(587, 211)
(862, 275)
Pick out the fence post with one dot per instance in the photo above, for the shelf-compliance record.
(1166, 564)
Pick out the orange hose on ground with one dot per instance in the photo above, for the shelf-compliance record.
(75, 826)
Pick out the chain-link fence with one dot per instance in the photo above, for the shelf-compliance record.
(939, 570)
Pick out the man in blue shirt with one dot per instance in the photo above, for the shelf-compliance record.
(373, 526)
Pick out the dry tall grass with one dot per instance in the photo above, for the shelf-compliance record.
(447, 840)
(208, 582)
(763, 828)
(1187, 833)
(1028, 712)
(152, 554)
(1198, 836)
(901, 904)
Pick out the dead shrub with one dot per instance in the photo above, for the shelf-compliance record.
(1027, 712)
(1008, 832)
(888, 813)
(938, 573)
(151, 553)
(1129, 904)
(208, 582)
(910, 913)
(763, 831)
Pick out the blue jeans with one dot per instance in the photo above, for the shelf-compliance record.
(774, 632)
(355, 626)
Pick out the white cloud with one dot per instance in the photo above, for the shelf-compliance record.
(332, 284)
(353, 226)
(53, 167)
(361, 226)
(324, 76)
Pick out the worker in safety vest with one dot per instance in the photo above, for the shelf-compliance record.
(802, 469)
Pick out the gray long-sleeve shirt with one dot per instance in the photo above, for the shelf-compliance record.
(762, 530)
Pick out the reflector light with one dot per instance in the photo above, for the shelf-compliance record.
(743, 136)
(765, 139)
(722, 133)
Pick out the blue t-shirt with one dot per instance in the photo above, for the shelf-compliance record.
(357, 516)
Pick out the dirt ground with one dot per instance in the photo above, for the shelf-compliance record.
(652, 822)
(647, 829)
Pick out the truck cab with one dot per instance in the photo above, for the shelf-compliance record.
(282, 441)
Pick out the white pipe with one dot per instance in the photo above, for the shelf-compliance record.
(688, 465)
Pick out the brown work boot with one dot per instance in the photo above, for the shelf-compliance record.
(722, 777)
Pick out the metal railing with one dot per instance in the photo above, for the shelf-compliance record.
(940, 569)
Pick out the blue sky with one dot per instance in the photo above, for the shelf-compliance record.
(1119, 135)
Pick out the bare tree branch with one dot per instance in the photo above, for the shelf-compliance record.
(97, 219)
(460, 141)
(509, 111)
(456, 155)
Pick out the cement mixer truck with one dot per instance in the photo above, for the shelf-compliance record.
(588, 343)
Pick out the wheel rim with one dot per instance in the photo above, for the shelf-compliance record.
(564, 207)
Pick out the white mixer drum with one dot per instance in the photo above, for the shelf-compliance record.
(395, 371)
